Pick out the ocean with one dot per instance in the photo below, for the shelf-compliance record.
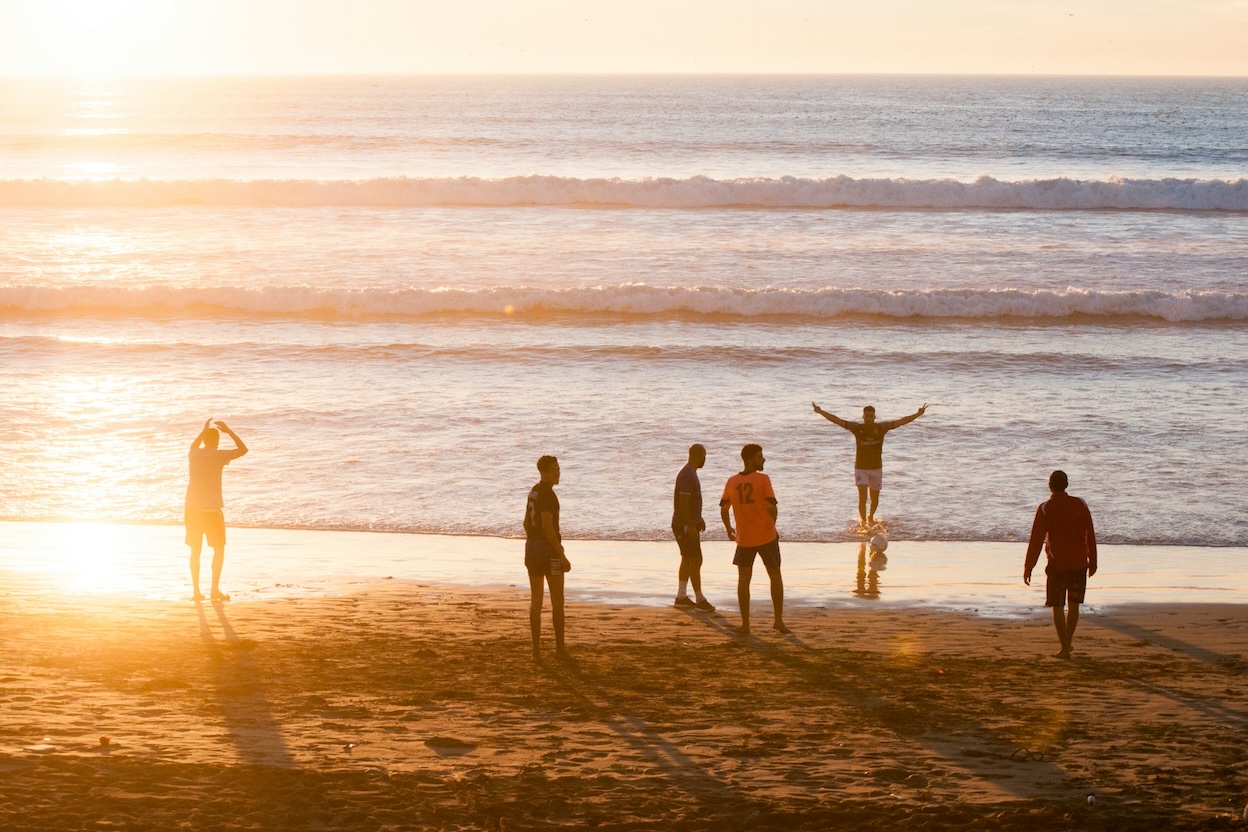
(401, 291)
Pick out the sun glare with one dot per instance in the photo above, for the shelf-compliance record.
(91, 38)
(95, 14)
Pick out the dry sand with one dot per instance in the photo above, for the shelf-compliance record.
(415, 707)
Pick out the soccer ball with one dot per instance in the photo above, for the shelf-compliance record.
(879, 543)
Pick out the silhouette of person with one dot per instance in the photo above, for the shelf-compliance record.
(544, 557)
(204, 517)
(1063, 526)
(687, 526)
(869, 454)
(753, 503)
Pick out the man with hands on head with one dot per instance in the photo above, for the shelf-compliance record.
(204, 516)
(869, 454)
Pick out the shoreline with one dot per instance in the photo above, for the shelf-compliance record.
(150, 560)
(401, 706)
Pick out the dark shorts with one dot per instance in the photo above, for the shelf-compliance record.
(769, 552)
(541, 560)
(1060, 584)
(205, 523)
(690, 546)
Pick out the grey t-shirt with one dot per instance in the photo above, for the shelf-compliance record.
(687, 482)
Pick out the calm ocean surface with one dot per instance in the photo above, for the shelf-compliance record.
(401, 292)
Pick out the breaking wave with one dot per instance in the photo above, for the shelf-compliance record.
(697, 192)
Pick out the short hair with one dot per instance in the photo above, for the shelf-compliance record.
(546, 462)
(697, 448)
(868, 407)
(212, 437)
(749, 451)
(1058, 481)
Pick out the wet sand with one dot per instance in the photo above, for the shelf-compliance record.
(404, 706)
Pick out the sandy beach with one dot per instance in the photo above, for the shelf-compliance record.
(409, 706)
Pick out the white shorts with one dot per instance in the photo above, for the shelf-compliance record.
(871, 478)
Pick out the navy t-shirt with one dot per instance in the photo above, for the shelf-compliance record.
(541, 498)
(687, 482)
(870, 438)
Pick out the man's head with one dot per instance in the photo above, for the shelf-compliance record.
(548, 467)
(212, 438)
(697, 456)
(752, 456)
(1058, 481)
(868, 414)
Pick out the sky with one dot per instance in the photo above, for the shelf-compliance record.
(209, 37)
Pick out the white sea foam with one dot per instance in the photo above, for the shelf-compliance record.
(630, 299)
(697, 192)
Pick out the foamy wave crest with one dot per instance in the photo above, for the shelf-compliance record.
(696, 192)
(628, 299)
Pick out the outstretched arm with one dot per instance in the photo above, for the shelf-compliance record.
(199, 440)
(836, 420)
(238, 443)
(905, 420)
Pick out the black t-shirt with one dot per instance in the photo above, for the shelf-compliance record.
(870, 439)
(541, 498)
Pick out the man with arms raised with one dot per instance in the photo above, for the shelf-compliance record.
(204, 516)
(753, 503)
(687, 526)
(869, 455)
(543, 555)
(1063, 526)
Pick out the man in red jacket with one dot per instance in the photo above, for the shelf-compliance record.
(1063, 526)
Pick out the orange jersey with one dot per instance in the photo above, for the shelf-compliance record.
(750, 496)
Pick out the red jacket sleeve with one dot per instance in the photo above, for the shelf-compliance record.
(1039, 531)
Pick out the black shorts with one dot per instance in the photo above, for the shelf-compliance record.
(205, 523)
(769, 552)
(541, 559)
(690, 546)
(1063, 584)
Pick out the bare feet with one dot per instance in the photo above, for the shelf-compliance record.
(1064, 653)
(743, 630)
(779, 627)
(537, 657)
(197, 597)
(218, 596)
(562, 654)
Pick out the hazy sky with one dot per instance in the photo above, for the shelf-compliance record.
(1187, 37)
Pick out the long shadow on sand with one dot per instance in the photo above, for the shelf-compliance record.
(252, 728)
(857, 689)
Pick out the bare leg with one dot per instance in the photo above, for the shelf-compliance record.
(196, 548)
(1072, 621)
(683, 572)
(777, 598)
(218, 561)
(1059, 623)
(744, 574)
(556, 610)
(875, 503)
(695, 578)
(535, 614)
(862, 504)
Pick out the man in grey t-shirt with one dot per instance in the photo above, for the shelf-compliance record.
(204, 517)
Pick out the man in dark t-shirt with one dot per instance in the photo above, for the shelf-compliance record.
(869, 454)
(687, 526)
(544, 557)
(1063, 528)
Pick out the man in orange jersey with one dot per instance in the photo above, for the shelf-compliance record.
(1063, 528)
(753, 503)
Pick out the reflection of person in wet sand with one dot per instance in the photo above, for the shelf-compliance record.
(869, 454)
(204, 516)
(869, 572)
(543, 555)
(753, 503)
(1063, 526)
(687, 526)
